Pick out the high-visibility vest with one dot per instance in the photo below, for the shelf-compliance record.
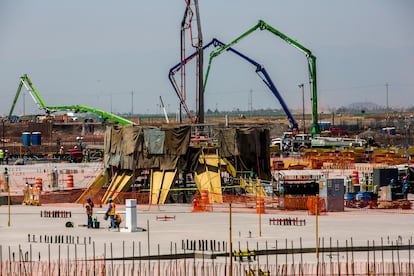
(89, 209)
(112, 211)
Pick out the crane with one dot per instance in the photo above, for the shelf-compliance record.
(27, 83)
(261, 25)
(260, 70)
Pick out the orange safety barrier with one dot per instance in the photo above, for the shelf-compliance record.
(69, 181)
(204, 197)
(39, 183)
(203, 204)
(355, 177)
(316, 205)
(260, 206)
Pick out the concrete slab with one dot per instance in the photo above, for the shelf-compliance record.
(29, 231)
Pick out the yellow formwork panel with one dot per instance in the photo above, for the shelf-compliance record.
(94, 188)
(161, 182)
(211, 182)
(124, 184)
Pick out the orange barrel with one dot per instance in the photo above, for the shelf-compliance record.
(204, 197)
(39, 183)
(355, 177)
(69, 181)
(260, 207)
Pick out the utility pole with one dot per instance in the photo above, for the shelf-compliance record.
(132, 102)
(301, 85)
(386, 89)
(200, 65)
(251, 102)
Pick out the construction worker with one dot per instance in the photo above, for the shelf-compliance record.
(118, 220)
(89, 211)
(111, 212)
(1, 156)
(6, 156)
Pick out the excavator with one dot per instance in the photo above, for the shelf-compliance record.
(27, 83)
(260, 70)
(261, 25)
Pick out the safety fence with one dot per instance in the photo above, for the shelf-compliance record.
(387, 257)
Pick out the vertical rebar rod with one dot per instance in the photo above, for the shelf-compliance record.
(230, 232)
(59, 260)
(368, 267)
(277, 268)
(374, 251)
(148, 246)
(86, 261)
(330, 258)
(68, 259)
(159, 261)
(139, 260)
(382, 257)
(212, 261)
(10, 261)
(293, 258)
(323, 268)
(171, 253)
(31, 260)
(352, 257)
(185, 263)
(247, 248)
(133, 258)
(337, 257)
(94, 258)
(123, 257)
(257, 257)
(301, 258)
(76, 259)
(398, 256)
(176, 259)
(202, 259)
(392, 258)
(409, 255)
(286, 256)
(267, 257)
(347, 262)
(48, 254)
(20, 260)
(112, 260)
(240, 264)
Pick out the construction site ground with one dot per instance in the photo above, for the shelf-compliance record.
(26, 229)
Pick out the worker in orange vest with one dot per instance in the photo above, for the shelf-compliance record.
(111, 212)
(89, 211)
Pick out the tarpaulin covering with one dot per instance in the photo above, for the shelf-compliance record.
(247, 148)
(138, 147)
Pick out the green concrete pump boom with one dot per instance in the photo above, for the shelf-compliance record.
(27, 83)
(24, 80)
(261, 25)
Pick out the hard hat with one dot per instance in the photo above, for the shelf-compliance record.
(110, 200)
(88, 199)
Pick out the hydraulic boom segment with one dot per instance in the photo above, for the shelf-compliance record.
(26, 82)
(259, 70)
(261, 25)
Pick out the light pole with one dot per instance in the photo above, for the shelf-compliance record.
(301, 85)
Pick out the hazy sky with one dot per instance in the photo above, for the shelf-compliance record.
(96, 53)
